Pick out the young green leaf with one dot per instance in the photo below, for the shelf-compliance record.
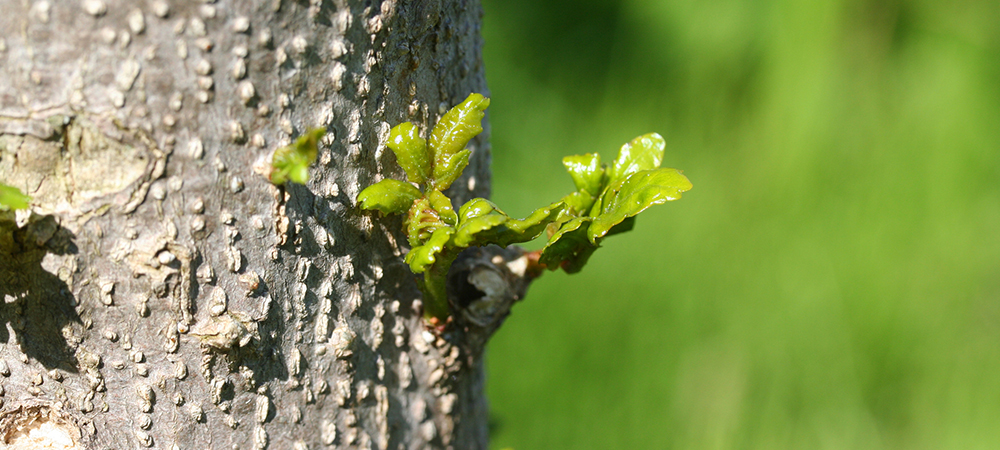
(12, 198)
(411, 152)
(633, 194)
(421, 221)
(442, 204)
(470, 232)
(475, 208)
(450, 136)
(642, 153)
(291, 163)
(586, 171)
(421, 257)
(569, 248)
(497, 228)
(389, 196)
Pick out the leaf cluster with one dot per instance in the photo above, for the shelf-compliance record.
(606, 200)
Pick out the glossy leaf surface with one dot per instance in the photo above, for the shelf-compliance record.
(411, 152)
(450, 136)
(642, 153)
(442, 204)
(421, 257)
(389, 196)
(446, 171)
(586, 171)
(475, 208)
(12, 198)
(291, 163)
(633, 194)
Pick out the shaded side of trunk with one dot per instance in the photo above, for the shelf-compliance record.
(161, 292)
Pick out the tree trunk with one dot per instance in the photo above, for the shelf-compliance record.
(162, 293)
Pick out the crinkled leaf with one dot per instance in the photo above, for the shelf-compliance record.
(12, 198)
(528, 228)
(470, 231)
(475, 208)
(291, 163)
(495, 227)
(451, 134)
(447, 170)
(411, 152)
(569, 248)
(442, 204)
(586, 171)
(389, 196)
(642, 153)
(421, 257)
(633, 194)
(578, 203)
(421, 221)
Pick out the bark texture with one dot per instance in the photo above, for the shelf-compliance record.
(162, 293)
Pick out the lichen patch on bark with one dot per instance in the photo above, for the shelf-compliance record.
(38, 427)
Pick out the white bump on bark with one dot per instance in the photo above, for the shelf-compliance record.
(239, 69)
(241, 24)
(182, 49)
(95, 8)
(175, 103)
(264, 39)
(117, 98)
(208, 11)
(299, 44)
(161, 9)
(204, 44)
(259, 438)
(203, 67)
(136, 21)
(197, 223)
(328, 432)
(41, 10)
(197, 27)
(247, 92)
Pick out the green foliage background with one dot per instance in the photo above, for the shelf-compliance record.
(833, 279)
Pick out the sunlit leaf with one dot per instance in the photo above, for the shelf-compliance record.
(291, 163)
(411, 152)
(12, 198)
(586, 171)
(421, 257)
(470, 231)
(389, 196)
(495, 227)
(450, 136)
(475, 208)
(442, 204)
(642, 153)
(633, 194)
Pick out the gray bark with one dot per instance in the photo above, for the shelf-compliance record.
(162, 293)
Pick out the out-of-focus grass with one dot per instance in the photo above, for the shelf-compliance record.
(840, 284)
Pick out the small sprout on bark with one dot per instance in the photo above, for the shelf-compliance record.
(11, 198)
(291, 163)
(605, 202)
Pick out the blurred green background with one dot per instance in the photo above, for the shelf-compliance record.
(833, 279)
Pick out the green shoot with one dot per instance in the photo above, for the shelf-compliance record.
(605, 203)
(291, 163)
